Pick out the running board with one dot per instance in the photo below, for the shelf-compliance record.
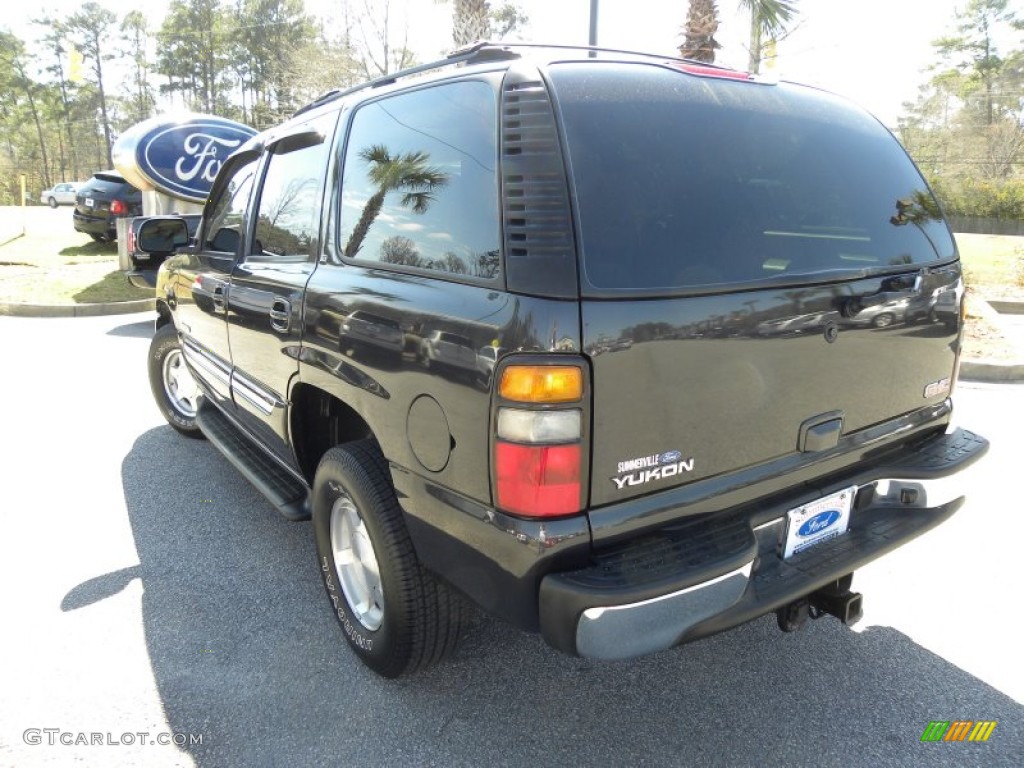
(289, 496)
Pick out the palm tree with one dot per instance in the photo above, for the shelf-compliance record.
(475, 20)
(700, 28)
(471, 21)
(407, 173)
(768, 20)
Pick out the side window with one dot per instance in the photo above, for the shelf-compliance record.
(224, 224)
(420, 185)
(288, 217)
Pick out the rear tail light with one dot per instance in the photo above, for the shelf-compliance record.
(538, 440)
(117, 207)
(538, 480)
(961, 299)
(542, 383)
(539, 426)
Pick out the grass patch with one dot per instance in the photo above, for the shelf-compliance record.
(993, 264)
(68, 284)
(53, 264)
(993, 269)
(113, 286)
(91, 248)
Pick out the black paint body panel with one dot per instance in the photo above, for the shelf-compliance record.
(746, 397)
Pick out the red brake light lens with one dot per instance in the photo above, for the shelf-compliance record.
(117, 207)
(705, 71)
(538, 480)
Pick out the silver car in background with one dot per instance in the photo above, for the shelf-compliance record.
(60, 194)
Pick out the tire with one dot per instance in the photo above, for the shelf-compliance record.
(884, 320)
(52, 201)
(396, 617)
(174, 389)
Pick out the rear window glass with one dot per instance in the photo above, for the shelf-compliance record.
(686, 181)
(106, 184)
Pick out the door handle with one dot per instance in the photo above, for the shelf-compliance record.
(280, 314)
(218, 298)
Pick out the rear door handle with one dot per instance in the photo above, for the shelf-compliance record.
(218, 298)
(280, 314)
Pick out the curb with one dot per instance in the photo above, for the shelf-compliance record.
(994, 373)
(1007, 307)
(77, 310)
(988, 371)
(12, 238)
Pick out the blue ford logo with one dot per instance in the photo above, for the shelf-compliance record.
(180, 157)
(670, 457)
(819, 522)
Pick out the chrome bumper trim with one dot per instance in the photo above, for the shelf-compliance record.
(909, 494)
(625, 631)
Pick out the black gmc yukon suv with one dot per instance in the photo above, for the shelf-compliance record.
(626, 350)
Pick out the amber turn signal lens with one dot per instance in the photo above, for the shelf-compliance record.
(542, 383)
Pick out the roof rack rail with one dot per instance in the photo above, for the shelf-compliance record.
(600, 49)
(477, 53)
(482, 52)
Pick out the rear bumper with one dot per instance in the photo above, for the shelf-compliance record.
(94, 225)
(713, 572)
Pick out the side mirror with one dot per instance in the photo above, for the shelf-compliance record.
(162, 236)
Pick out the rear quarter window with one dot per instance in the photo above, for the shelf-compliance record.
(420, 188)
(685, 181)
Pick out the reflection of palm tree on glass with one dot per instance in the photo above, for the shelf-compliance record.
(918, 209)
(407, 173)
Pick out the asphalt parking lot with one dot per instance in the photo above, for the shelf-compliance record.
(149, 590)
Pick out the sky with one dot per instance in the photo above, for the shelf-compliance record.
(873, 51)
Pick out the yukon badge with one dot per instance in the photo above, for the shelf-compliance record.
(647, 468)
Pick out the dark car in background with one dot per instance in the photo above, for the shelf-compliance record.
(102, 200)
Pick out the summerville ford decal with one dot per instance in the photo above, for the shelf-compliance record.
(179, 155)
(644, 469)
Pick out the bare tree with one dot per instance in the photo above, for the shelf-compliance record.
(54, 40)
(380, 55)
(136, 28)
(90, 29)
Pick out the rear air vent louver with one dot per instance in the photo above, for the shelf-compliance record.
(540, 250)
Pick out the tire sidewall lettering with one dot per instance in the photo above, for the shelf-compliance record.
(340, 606)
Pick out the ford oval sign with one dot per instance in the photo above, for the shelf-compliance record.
(670, 457)
(819, 522)
(179, 156)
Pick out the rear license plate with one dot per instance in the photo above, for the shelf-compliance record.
(90, 203)
(818, 521)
